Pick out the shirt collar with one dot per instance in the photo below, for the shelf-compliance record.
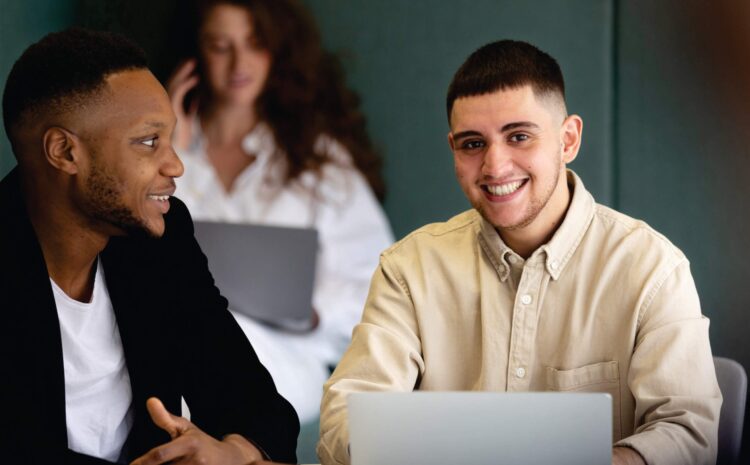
(259, 142)
(563, 244)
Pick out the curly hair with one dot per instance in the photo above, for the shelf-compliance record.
(305, 94)
(62, 71)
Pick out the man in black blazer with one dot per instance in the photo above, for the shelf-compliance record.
(90, 201)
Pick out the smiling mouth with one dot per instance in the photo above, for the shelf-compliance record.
(503, 189)
(160, 198)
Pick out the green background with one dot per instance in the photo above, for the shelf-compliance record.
(665, 132)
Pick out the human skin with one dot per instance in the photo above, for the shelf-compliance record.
(510, 148)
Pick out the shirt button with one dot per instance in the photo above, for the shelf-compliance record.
(526, 299)
(512, 259)
(520, 372)
(554, 265)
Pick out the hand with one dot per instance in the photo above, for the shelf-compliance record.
(178, 85)
(190, 445)
(626, 456)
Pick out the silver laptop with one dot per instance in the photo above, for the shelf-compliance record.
(480, 428)
(266, 272)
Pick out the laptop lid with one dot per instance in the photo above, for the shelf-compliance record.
(266, 272)
(480, 428)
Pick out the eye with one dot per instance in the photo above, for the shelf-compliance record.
(472, 144)
(151, 142)
(217, 46)
(518, 137)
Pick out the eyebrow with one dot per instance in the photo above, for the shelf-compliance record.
(506, 128)
(155, 124)
(519, 124)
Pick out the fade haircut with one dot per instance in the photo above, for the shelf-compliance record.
(506, 64)
(62, 72)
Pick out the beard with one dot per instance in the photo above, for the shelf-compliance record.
(534, 208)
(105, 204)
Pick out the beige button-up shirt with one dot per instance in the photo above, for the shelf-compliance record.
(608, 305)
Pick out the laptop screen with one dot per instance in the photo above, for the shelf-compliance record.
(480, 428)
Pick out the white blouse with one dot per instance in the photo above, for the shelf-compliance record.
(352, 231)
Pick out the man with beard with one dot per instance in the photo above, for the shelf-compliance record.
(110, 314)
(537, 288)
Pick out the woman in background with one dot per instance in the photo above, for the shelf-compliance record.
(269, 133)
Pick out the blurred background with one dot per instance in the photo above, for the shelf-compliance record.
(663, 89)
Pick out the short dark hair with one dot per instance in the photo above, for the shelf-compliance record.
(59, 71)
(505, 64)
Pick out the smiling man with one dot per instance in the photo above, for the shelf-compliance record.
(537, 288)
(110, 315)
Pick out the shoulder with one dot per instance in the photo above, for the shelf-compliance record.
(452, 236)
(632, 232)
(641, 254)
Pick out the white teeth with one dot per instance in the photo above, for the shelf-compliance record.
(505, 189)
(161, 198)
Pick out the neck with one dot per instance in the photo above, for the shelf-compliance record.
(225, 124)
(524, 241)
(69, 245)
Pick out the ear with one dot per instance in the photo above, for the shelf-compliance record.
(60, 146)
(450, 141)
(570, 134)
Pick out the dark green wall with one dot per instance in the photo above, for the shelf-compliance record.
(22, 23)
(684, 150)
(401, 55)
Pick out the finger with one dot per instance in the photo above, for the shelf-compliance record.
(193, 110)
(172, 424)
(183, 71)
(180, 448)
(178, 91)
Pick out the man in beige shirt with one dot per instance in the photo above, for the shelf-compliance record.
(537, 288)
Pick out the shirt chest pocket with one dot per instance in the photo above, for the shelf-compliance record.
(597, 377)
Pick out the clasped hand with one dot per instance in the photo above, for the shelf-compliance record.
(190, 445)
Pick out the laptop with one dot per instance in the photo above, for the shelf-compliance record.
(480, 428)
(266, 272)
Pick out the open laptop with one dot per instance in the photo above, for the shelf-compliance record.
(266, 272)
(480, 428)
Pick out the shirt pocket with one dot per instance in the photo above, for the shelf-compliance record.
(597, 377)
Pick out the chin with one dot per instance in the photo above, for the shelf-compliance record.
(143, 228)
(155, 229)
(501, 221)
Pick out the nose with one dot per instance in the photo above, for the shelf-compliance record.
(172, 166)
(497, 162)
(235, 59)
(240, 58)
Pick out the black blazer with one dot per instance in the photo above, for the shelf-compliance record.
(177, 335)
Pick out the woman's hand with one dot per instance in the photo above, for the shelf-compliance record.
(182, 80)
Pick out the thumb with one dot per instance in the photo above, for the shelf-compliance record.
(161, 417)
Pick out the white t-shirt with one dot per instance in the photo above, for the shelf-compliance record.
(98, 396)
